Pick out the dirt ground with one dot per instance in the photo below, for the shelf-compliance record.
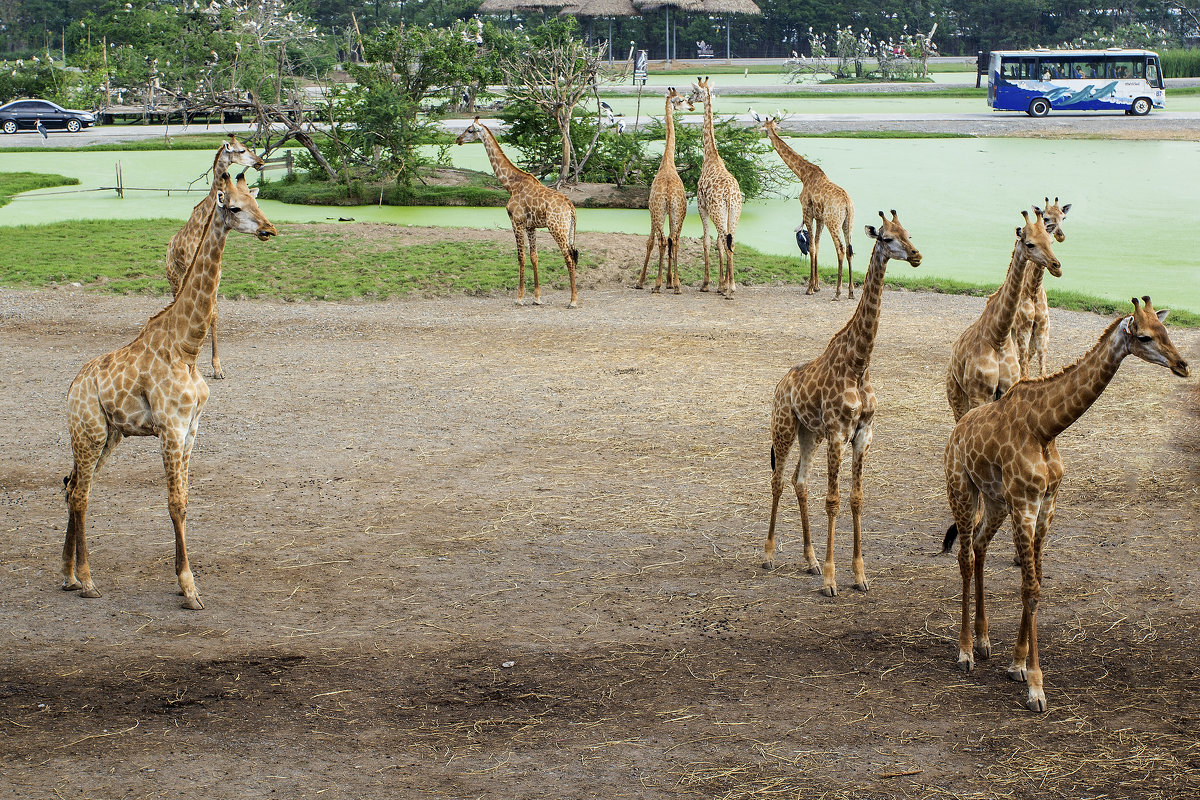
(452, 547)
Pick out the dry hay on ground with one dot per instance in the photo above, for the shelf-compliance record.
(455, 548)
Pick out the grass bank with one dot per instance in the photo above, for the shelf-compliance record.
(474, 189)
(340, 263)
(13, 183)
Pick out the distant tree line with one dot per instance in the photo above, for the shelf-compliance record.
(965, 26)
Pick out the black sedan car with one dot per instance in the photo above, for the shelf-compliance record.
(28, 113)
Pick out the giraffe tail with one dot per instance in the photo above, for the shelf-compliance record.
(951, 536)
(729, 242)
(574, 250)
(772, 458)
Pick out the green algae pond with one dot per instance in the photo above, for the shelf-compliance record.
(1131, 229)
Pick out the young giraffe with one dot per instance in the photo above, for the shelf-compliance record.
(668, 197)
(1002, 460)
(823, 202)
(984, 361)
(1031, 326)
(530, 207)
(184, 243)
(718, 197)
(151, 387)
(831, 398)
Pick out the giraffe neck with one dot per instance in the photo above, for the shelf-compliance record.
(710, 139)
(805, 170)
(1057, 401)
(1001, 309)
(856, 340)
(509, 175)
(668, 159)
(189, 315)
(1033, 279)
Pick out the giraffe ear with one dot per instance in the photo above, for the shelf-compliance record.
(1065, 208)
(222, 199)
(1162, 315)
(254, 192)
(872, 233)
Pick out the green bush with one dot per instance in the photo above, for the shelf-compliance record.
(1180, 63)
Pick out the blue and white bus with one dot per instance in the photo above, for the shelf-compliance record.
(1036, 81)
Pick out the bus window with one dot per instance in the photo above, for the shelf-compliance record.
(1125, 69)
(1023, 69)
(1152, 73)
(1089, 69)
(1054, 69)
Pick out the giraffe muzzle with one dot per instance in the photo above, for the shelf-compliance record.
(915, 259)
(1055, 269)
(1180, 368)
(265, 232)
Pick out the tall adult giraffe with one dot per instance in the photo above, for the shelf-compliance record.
(1031, 325)
(1002, 460)
(668, 198)
(183, 244)
(983, 364)
(151, 387)
(831, 398)
(530, 206)
(718, 197)
(823, 203)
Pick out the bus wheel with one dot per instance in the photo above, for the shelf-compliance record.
(1038, 107)
(1140, 108)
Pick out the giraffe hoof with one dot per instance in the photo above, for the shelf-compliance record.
(830, 590)
(704, 288)
(678, 290)
(639, 286)
(218, 374)
(656, 290)
(89, 592)
(965, 662)
(768, 565)
(193, 603)
(862, 586)
(1016, 673)
(573, 304)
(850, 295)
(537, 301)
(814, 569)
(71, 585)
(1036, 702)
(984, 648)
(520, 301)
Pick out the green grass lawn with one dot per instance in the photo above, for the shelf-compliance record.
(126, 256)
(190, 141)
(13, 183)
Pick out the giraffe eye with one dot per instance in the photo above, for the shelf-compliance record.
(1145, 338)
(234, 210)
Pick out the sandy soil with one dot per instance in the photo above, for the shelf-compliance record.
(450, 547)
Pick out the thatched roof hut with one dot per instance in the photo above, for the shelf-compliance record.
(514, 6)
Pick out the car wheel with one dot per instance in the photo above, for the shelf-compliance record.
(1039, 107)
(10, 126)
(1141, 107)
(73, 126)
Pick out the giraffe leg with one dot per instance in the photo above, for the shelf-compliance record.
(531, 233)
(730, 282)
(563, 239)
(662, 254)
(835, 442)
(956, 397)
(675, 222)
(218, 373)
(814, 280)
(520, 234)
(964, 500)
(849, 256)
(704, 224)
(641, 282)
(841, 257)
(176, 453)
(1025, 665)
(861, 443)
(783, 433)
(993, 518)
(76, 572)
(808, 447)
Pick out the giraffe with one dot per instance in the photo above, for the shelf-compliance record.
(151, 387)
(718, 196)
(831, 398)
(1031, 326)
(183, 244)
(531, 206)
(983, 364)
(823, 202)
(1002, 460)
(668, 198)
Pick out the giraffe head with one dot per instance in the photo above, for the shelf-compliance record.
(677, 100)
(768, 122)
(701, 91)
(893, 238)
(1052, 217)
(239, 208)
(1146, 337)
(234, 152)
(1035, 240)
(473, 133)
